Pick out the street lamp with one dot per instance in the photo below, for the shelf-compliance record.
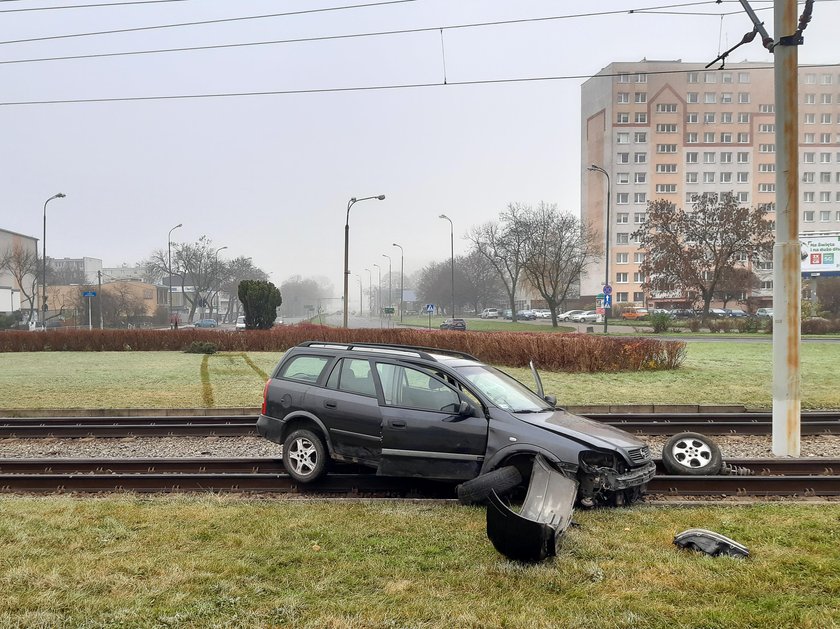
(390, 298)
(216, 270)
(452, 258)
(60, 195)
(598, 169)
(402, 269)
(378, 290)
(350, 203)
(370, 294)
(169, 268)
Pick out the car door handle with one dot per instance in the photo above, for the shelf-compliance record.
(398, 423)
(331, 404)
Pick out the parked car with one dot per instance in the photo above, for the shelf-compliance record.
(489, 313)
(590, 316)
(736, 313)
(567, 316)
(682, 313)
(764, 312)
(526, 315)
(717, 312)
(206, 323)
(278, 321)
(437, 414)
(543, 313)
(508, 314)
(632, 314)
(454, 324)
(240, 322)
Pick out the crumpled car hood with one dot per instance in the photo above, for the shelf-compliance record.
(581, 428)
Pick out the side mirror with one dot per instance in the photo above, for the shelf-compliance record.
(464, 409)
(551, 400)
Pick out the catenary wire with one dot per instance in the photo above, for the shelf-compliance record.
(367, 88)
(88, 6)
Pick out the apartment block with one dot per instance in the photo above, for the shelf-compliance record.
(671, 130)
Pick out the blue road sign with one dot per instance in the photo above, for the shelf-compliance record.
(607, 301)
(430, 308)
(607, 289)
(89, 293)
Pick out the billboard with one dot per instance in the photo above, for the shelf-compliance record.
(820, 254)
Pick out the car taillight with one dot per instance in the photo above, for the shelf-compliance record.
(265, 397)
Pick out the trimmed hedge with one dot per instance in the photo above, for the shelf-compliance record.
(555, 352)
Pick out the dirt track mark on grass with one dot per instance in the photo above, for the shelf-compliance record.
(254, 366)
(206, 387)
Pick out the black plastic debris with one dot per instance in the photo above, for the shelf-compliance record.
(534, 533)
(711, 543)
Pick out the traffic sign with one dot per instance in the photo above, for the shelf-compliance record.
(388, 310)
(607, 301)
(89, 293)
(430, 308)
(607, 289)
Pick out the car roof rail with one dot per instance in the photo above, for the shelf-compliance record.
(386, 348)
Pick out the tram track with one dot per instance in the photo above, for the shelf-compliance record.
(754, 423)
(772, 477)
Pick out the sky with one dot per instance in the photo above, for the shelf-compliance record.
(269, 176)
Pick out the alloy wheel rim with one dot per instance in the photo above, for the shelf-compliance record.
(303, 456)
(692, 453)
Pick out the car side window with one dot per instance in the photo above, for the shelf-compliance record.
(413, 388)
(304, 368)
(354, 376)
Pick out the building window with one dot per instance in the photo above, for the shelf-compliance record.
(710, 98)
(743, 177)
(809, 138)
(623, 78)
(620, 298)
(767, 128)
(743, 157)
(666, 148)
(726, 77)
(708, 177)
(825, 197)
(808, 176)
(666, 108)
(622, 117)
(810, 118)
(825, 158)
(691, 158)
(743, 197)
(825, 79)
(623, 158)
(641, 78)
(726, 177)
(666, 128)
(638, 257)
(825, 177)
(743, 138)
(691, 177)
(640, 197)
(623, 98)
(639, 177)
(622, 218)
(825, 118)
(666, 168)
(809, 216)
(621, 258)
(808, 197)
(709, 137)
(641, 117)
(692, 118)
(640, 137)
(825, 99)
(810, 99)
(622, 238)
(825, 138)
(640, 158)
(825, 216)
(691, 138)
(621, 278)
(766, 148)
(623, 177)
(639, 297)
(767, 285)
(709, 157)
(743, 77)
(743, 97)
(693, 77)
(810, 79)
(639, 218)
(666, 188)
(641, 97)
(709, 118)
(622, 138)
(726, 157)
(726, 138)
(726, 117)
(767, 168)
(767, 109)
(692, 97)
(638, 277)
(726, 97)
(809, 158)
(766, 187)
(622, 198)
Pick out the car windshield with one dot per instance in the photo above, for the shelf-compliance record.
(502, 390)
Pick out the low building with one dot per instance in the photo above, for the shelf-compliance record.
(18, 272)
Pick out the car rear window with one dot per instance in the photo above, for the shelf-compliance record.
(304, 368)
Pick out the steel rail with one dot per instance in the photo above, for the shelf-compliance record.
(782, 477)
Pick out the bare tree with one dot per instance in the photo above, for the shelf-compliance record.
(22, 264)
(558, 249)
(482, 287)
(503, 244)
(64, 275)
(692, 250)
(734, 283)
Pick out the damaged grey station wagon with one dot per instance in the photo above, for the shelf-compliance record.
(437, 414)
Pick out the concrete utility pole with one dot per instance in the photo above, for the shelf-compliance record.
(99, 295)
(787, 276)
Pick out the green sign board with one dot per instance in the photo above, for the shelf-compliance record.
(389, 310)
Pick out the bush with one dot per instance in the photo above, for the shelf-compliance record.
(694, 325)
(748, 324)
(555, 352)
(660, 322)
(201, 347)
(260, 300)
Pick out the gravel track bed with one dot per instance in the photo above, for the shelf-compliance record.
(732, 446)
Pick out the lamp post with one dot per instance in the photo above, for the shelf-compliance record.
(402, 269)
(169, 268)
(350, 203)
(598, 169)
(378, 290)
(215, 269)
(60, 195)
(370, 294)
(390, 297)
(452, 258)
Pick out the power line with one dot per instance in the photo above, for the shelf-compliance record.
(204, 22)
(86, 6)
(369, 88)
(404, 31)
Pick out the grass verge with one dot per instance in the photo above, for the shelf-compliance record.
(218, 561)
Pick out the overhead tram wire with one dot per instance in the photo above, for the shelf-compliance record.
(404, 31)
(242, 18)
(369, 88)
(87, 6)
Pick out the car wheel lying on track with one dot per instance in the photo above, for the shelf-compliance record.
(691, 454)
(304, 456)
(477, 490)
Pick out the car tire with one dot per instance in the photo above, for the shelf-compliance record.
(305, 456)
(477, 490)
(691, 454)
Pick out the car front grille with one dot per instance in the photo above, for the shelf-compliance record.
(639, 455)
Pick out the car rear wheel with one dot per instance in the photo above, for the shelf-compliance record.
(691, 454)
(304, 456)
(478, 489)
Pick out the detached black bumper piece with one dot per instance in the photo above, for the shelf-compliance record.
(534, 533)
(711, 543)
